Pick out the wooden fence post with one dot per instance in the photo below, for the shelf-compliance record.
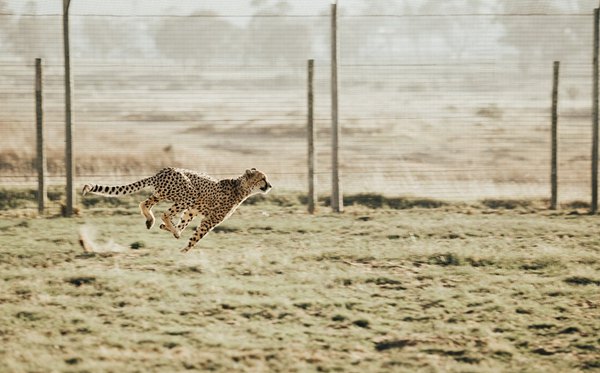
(69, 154)
(554, 156)
(594, 204)
(40, 148)
(312, 195)
(337, 201)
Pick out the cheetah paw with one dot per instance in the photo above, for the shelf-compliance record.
(175, 233)
(185, 249)
(149, 223)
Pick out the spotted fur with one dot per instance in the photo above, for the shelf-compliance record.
(193, 194)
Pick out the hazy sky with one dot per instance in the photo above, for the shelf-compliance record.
(131, 7)
(181, 7)
(307, 7)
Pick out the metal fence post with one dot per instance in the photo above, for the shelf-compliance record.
(312, 195)
(337, 201)
(40, 148)
(594, 204)
(69, 154)
(554, 140)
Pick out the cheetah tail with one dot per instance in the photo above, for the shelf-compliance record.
(117, 190)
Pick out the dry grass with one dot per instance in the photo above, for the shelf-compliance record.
(452, 288)
(469, 137)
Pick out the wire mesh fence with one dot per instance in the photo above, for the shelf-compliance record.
(439, 99)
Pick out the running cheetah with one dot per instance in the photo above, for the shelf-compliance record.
(193, 194)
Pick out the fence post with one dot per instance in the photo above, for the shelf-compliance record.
(40, 148)
(594, 204)
(69, 164)
(312, 195)
(337, 201)
(554, 156)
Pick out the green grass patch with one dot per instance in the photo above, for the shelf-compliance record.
(276, 289)
(580, 280)
(16, 198)
(377, 201)
(508, 204)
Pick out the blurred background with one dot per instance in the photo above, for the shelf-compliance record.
(443, 99)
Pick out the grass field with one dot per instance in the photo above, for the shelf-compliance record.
(403, 285)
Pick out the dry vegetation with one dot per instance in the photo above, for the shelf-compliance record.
(459, 134)
(392, 284)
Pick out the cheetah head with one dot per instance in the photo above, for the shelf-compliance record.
(257, 181)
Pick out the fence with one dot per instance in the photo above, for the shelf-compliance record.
(436, 100)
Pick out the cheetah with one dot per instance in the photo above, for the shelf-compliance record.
(193, 194)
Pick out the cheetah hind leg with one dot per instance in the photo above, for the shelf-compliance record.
(174, 230)
(146, 208)
(167, 224)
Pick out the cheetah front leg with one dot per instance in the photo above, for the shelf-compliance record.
(146, 208)
(166, 218)
(205, 226)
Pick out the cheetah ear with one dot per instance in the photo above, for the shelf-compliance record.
(248, 172)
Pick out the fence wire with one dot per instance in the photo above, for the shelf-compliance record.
(437, 99)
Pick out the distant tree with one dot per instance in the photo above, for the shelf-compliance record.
(3, 10)
(277, 40)
(417, 39)
(458, 35)
(210, 38)
(271, 7)
(5, 21)
(104, 37)
(379, 37)
(30, 37)
(548, 38)
(270, 37)
(205, 37)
